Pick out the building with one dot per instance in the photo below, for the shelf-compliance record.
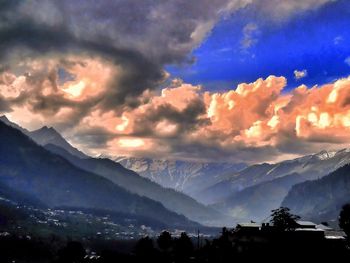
(305, 225)
(248, 227)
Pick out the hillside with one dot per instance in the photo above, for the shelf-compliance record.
(130, 180)
(30, 169)
(171, 199)
(256, 202)
(309, 167)
(321, 199)
(46, 135)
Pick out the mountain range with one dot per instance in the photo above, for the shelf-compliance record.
(170, 198)
(127, 179)
(41, 168)
(321, 199)
(189, 177)
(30, 170)
(242, 192)
(253, 192)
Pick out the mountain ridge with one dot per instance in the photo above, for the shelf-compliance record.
(29, 168)
(309, 167)
(45, 135)
(323, 198)
(188, 177)
(130, 180)
(48, 135)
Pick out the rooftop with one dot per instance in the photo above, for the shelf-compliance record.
(249, 225)
(326, 228)
(309, 229)
(306, 223)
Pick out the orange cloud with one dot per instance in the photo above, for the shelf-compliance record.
(91, 77)
(255, 115)
(237, 111)
(258, 114)
(253, 122)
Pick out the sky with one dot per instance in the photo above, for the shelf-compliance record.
(249, 45)
(209, 80)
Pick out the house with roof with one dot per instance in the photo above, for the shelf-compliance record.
(305, 225)
(332, 234)
(305, 230)
(248, 227)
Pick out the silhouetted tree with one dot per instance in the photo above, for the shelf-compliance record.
(223, 240)
(282, 219)
(165, 241)
(183, 247)
(224, 231)
(223, 246)
(344, 220)
(144, 247)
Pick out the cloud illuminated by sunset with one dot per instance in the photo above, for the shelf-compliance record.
(252, 119)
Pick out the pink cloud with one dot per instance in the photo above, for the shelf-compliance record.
(253, 116)
(253, 122)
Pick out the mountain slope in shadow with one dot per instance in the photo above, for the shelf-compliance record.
(321, 199)
(127, 179)
(256, 202)
(309, 167)
(130, 180)
(32, 170)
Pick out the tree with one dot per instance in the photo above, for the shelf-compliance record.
(344, 220)
(144, 247)
(283, 220)
(183, 247)
(164, 241)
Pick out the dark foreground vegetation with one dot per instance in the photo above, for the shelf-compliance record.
(226, 248)
(279, 242)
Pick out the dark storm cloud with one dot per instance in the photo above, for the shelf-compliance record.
(187, 120)
(4, 105)
(93, 137)
(140, 72)
(138, 36)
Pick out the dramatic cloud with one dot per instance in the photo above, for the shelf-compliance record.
(299, 74)
(133, 39)
(282, 9)
(256, 121)
(94, 70)
(164, 31)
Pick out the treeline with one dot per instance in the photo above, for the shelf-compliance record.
(167, 249)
